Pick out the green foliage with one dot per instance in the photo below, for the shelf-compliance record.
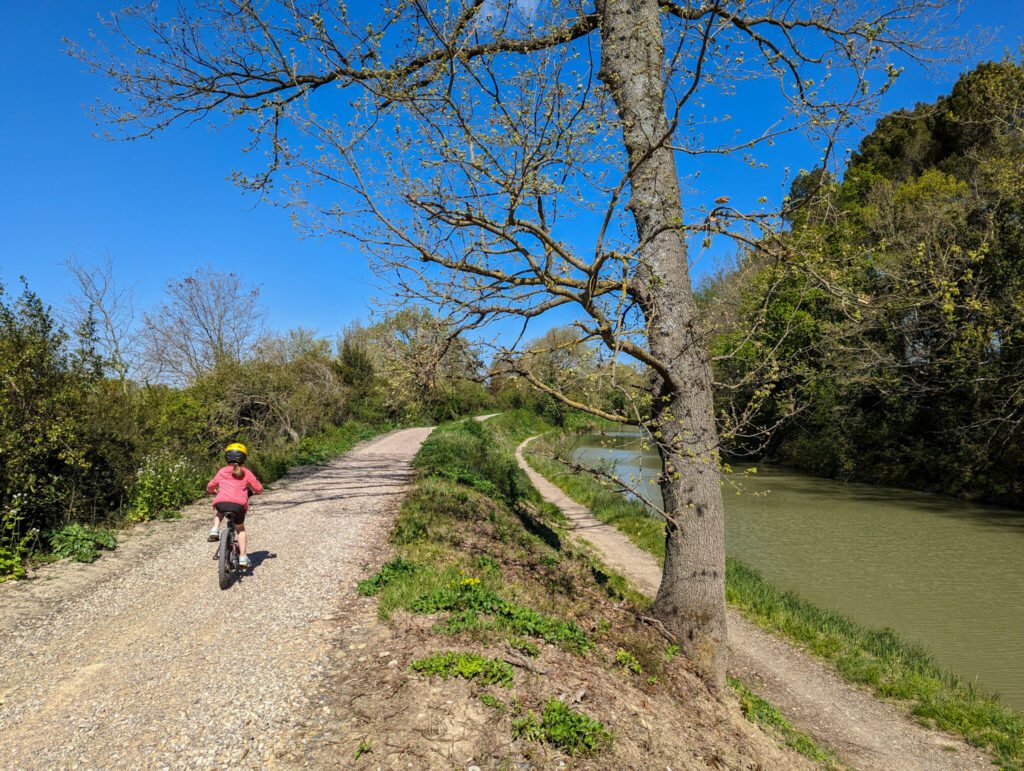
(362, 749)
(886, 345)
(572, 731)
(426, 367)
(486, 562)
(471, 666)
(470, 596)
(759, 711)
(14, 545)
(467, 454)
(45, 399)
(627, 661)
(524, 646)
(81, 543)
(493, 702)
(388, 572)
(164, 481)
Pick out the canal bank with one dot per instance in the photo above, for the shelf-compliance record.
(944, 573)
(866, 733)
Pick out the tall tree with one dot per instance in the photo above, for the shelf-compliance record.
(112, 306)
(210, 317)
(484, 132)
(910, 367)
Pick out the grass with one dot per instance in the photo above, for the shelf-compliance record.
(879, 659)
(478, 550)
(883, 661)
(759, 711)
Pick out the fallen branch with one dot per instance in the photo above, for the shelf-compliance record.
(513, 658)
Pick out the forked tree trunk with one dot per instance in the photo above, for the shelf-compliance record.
(691, 599)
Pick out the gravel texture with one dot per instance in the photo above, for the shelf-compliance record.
(867, 733)
(141, 661)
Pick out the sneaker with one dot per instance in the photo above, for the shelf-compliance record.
(214, 535)
(243, 561)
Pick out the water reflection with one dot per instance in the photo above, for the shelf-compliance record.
(944, 573)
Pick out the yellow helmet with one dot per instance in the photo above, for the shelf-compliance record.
(235, 452)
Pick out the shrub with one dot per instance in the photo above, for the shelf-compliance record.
(81, 543)
(13, 547)
(163, 482)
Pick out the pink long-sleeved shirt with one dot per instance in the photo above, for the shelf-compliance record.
(233, 490)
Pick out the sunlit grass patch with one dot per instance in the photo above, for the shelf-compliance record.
(880, 659)
(759, 711)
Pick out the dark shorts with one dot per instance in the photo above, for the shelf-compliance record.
(237, 509)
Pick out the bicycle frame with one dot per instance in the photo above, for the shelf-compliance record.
(227, 551)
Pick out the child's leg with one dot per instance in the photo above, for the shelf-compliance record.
(240, 529)
(217, 517)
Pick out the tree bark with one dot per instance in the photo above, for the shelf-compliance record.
(691, 599)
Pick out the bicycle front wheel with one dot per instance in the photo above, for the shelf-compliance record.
(224, 561)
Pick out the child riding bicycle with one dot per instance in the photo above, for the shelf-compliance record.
(232, 484)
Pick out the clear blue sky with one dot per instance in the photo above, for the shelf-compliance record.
(159, 208)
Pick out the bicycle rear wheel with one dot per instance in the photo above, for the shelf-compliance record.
(224, 560)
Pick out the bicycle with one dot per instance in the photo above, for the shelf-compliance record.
(227, 551)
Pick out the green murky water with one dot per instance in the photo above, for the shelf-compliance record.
(944, 573)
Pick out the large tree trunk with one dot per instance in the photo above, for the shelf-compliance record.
(691, 599)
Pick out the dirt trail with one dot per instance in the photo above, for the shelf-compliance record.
(866, 733)
(141, 661)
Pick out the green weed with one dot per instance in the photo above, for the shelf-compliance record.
(388, 572)
(14, 545)
(494, 702)
(164, 481)
(81, 543)
(519, 619)
(485, 562)
(627, 661)
(524, 646)
(471, 666)
(759, 711)
(559, 725)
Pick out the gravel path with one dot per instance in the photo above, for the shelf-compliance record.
(867, 733)
(146, 663)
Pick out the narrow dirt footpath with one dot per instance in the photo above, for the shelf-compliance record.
(141, 661)
(866, 733)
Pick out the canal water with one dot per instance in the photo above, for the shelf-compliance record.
(944, 573)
